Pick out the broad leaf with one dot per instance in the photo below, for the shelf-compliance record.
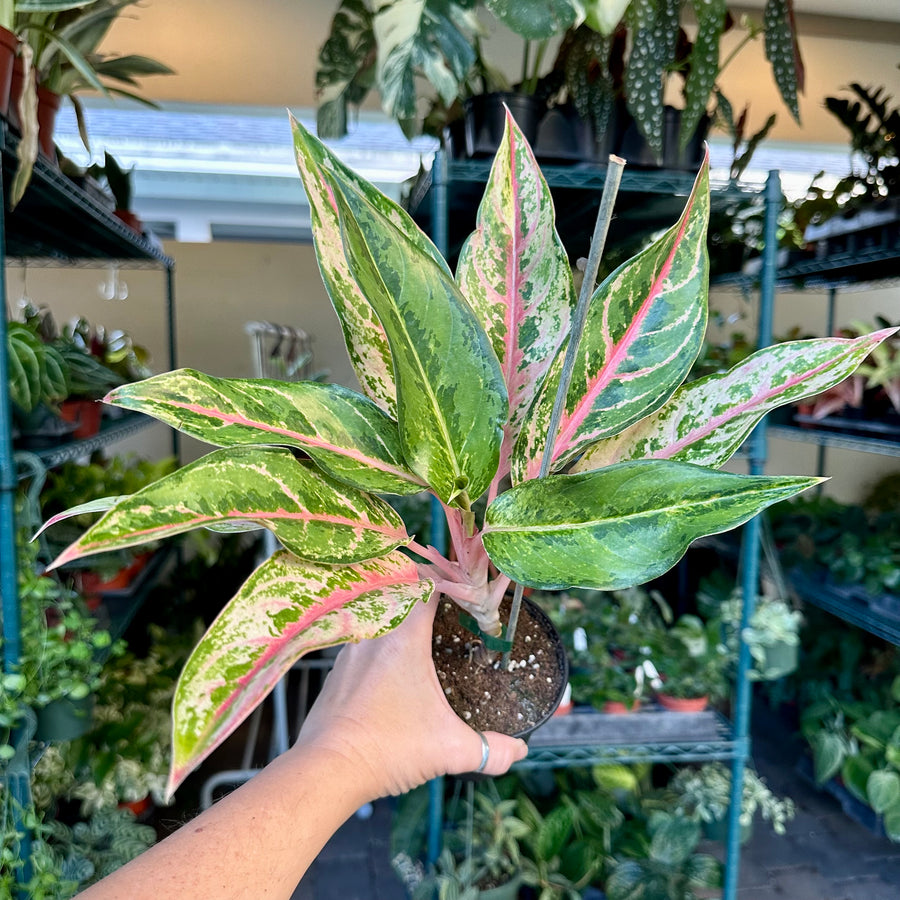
(883, 789)
(622, 525)
(515, 273)
(347, 435)
(312, 515)
(285, 609)
(674, 841)
(829, 751)
(643, 330)
(537, 20)
(706, 420)
(892, 823)
(855, 774)
(604, 15)
(451, 396)
(421, 37)
(346, 67)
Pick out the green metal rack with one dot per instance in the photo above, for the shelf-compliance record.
(55, 224)
(648, 200)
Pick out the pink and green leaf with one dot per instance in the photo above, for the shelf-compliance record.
(314, 516)
(286, 608)
(451, 396)
(643, 330)
(622, 525)
(515, 273)
(366, 342)
(350, 437)
(706, 420)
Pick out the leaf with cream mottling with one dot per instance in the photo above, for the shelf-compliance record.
(366, 342)
(286, 608)
(705, 421)
(643, 330)
(313, 516)
(622, 525)
(350, 437)
(451, 395)
(515, 273)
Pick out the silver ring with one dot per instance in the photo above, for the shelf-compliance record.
(485, 752)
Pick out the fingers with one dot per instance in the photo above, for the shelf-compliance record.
(503, 752)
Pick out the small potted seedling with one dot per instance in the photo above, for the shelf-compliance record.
(597, 467)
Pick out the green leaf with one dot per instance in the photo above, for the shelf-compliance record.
(705, 421)
(883, 789)
(704, 65)
(674, 841)
(451, 397)
(536, 20)
(364, 335)
(26, 363)
(604, 15)
(515, 273)
(654, 25)
(421, 37)
(622, 525)
(346, 67)
(312, 515)
(829, 751)
(783, 51)
(891, 822)
(626, 881)
(644, 328)
(703, 871)
(350, 437)
(285, 609)
(553, 832)
(855, 773)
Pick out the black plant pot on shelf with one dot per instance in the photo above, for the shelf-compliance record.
(485, 120)
(637, 151)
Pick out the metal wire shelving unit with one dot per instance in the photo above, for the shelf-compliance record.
(55, 224)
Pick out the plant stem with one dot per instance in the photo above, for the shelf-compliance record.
(598, 241)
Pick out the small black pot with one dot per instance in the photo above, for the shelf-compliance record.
(637, 152)
(486, 118)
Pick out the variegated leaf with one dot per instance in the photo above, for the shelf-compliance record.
(622, 525)
(451, 395)
(643, 330)
(515, 273)
(706, 420)
(363, 334)
(314, 516)
(347, 435)
(286, 608)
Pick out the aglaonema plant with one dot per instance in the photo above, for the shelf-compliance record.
(458, 378)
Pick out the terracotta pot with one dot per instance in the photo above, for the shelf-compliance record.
(138, 807)
(130, 219)
(565, 705)
(617, 708)
(91, 583)
(683, 704)
(48, 107)
(8, 44)
(85, 413)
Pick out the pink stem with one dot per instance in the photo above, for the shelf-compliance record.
(440, 562)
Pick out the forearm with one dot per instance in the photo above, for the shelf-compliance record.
(256, 842)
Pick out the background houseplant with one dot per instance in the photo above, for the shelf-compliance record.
(438, 354)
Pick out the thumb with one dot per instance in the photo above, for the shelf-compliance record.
(502, 752)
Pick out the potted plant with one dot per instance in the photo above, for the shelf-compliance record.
(60, 57)
(693, 663)
(446, 409)
(118, 180)
(703, 795)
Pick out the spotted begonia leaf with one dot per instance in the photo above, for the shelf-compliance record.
(515, 274)
(622, 525)
(643, 330)
(286, 608)
(312, 515)
(705, 421)
(783, 51)
(346, 434)
(704, 64)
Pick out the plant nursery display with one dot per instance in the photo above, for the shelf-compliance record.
(472, 386)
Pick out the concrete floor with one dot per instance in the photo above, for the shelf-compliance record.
(824, 855)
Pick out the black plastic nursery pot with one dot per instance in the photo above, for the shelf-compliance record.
(485, 120)
(637, 151)
(515, 700)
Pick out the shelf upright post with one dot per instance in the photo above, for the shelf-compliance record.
(18, 776)
(750, 550)
(438, 531)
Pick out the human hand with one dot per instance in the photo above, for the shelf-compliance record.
(382, 706)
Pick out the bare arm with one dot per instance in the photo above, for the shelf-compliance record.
(381, 726)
